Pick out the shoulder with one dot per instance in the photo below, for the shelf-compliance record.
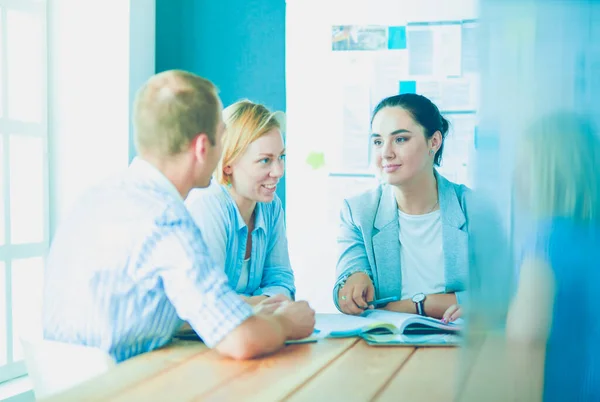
(132, 206)
(361, 209)
(473, 204)
(468, 199)
(138, 198)
(211, 204)
(214, 194)
(463, 194)
(563, 235)
(212, 198)
(368, 200)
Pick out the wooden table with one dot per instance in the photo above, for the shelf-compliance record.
(330, 370)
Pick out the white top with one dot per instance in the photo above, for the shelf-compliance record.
(243, 281)
(421, 254)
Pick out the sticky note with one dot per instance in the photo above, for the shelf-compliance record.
(316, 160)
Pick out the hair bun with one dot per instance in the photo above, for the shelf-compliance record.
(445, 126)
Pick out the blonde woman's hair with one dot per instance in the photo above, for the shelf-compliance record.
(563, 153)
(245, 122)
(171, 109)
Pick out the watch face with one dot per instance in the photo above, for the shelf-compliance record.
(418, 298)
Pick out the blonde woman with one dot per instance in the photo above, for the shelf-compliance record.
(242, 218)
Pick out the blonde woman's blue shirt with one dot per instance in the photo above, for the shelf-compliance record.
(225, 232)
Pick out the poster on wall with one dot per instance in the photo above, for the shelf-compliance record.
(373, 62)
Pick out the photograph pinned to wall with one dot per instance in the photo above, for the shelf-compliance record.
(434, 48)
(359, 37)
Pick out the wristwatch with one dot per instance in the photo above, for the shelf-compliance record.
(419, 300)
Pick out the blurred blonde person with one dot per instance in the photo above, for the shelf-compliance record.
(557, 300)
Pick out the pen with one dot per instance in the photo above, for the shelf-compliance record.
(383, 302)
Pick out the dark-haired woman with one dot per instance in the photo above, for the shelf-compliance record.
(407, 238)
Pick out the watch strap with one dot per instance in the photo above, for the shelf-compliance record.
(420, 308)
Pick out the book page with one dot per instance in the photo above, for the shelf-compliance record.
(343, 324)
(402, 320)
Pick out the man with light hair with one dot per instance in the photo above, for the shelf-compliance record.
(128, 266)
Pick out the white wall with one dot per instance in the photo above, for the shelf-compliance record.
(99, 53)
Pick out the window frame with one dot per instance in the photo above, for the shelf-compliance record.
(10, 127)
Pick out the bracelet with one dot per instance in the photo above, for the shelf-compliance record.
(342, 281)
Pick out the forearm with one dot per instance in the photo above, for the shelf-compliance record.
(275, 289)
(435, 305)
(253, 300)
(530, 314)
(346, 273)
(257, 336)
(276, 280)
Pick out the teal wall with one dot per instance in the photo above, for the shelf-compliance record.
(237, 44)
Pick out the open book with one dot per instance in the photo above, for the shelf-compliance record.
(380, 327)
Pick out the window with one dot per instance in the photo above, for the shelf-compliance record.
(24, 235)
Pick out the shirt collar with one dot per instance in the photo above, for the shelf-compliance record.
(148, 171)
(259, 213)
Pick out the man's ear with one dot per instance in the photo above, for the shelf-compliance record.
(200, 144)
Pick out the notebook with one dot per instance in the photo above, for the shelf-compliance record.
(413, 340)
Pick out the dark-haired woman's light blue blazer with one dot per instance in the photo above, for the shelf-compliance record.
(368, 239)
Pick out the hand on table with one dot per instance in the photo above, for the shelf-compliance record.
(452, 314)
(356, 293)
(299, 319)
(268, 305)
